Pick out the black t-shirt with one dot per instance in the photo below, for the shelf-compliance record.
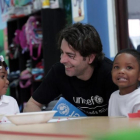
(90, 96)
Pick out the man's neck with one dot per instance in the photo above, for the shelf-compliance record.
(87, 74)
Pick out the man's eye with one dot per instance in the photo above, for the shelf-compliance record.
(71, 56)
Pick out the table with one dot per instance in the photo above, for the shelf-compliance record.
(76, 129)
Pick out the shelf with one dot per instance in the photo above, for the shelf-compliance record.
(53, 20)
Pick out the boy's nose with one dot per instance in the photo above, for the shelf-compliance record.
(122, 70)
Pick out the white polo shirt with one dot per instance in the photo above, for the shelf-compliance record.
(8, 105)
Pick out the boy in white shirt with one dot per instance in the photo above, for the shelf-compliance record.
(126, 75)
(8, 105)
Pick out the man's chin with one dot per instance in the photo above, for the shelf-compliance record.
(69, 74)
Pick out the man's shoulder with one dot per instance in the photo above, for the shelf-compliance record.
(105, 66)
(107, 61)
(58, 69)
(58, 65)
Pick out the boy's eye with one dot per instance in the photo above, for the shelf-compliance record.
(129, 67)
(116, 67)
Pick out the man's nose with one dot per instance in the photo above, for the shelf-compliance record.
(63, 58)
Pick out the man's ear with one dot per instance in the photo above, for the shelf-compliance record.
(91, 58)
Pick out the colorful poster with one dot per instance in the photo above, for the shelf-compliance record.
(78, 11)
(4, 4)
(4, 47)
(5, 8)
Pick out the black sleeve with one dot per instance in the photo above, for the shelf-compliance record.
(48, 90)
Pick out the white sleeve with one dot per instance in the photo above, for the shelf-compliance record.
(16, 107)
(136, 108)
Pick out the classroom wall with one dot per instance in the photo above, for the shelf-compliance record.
(96, 14)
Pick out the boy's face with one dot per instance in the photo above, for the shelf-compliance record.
(3, 81)
(126, 72)
(75, 64)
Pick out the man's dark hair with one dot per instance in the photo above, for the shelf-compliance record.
(83, 38)
(133, 52)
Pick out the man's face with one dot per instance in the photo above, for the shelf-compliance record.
(75, 64)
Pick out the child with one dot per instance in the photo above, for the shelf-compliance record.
(126, 75)
(8, 105)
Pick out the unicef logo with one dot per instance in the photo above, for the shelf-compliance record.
(63, 109)
(98, 99)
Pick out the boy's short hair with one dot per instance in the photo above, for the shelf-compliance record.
(83, 38)
(133, 52)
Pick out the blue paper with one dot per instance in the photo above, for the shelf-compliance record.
(65, 108)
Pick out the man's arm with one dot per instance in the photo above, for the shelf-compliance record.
(32, 106)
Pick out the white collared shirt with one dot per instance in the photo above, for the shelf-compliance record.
(8, 105)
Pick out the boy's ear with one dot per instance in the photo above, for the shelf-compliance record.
(91, 58)
(139, 77)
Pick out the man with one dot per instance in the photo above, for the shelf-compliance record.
(83, 76)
